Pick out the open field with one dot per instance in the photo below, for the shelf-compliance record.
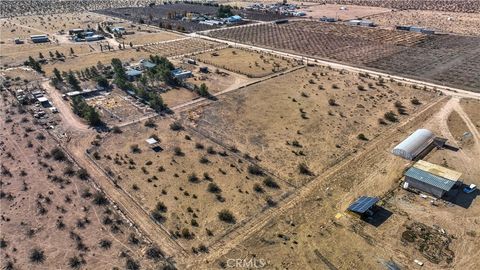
(447, 22)
(307, 102)
(50, 206)
(194, 179)
(452, 60)
(14, 55)
(470, 6)
(472, 108)
(52, 24)
(334, 11)
(304, 239)
(249, 63)
(140, 38)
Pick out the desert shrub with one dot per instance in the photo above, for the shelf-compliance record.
(40, 137)
(176, 126)
(381, 121)
(132, 239)
(270, 182)
(157, 216)
(255, 170)
(178, 151)
(226, 216)
(83, 174)
(415, 101)
(334, 86)
(271, 202)
(116, 130)
(199, 145)
(37, 256)
(187, 234)
(131, 264)
(362, 137)
(194, 223)
(135, 149)
(214, 188)
(58, 154)
(211, 151)
(303, 168)
(193, 178)
(105, 244)
(154, 253)
(69, 171)
(207, 176)
(74, 262)
(332, 102)
(361, 87)
(150, 123)
(100, 199)
(257, 188)
(204, 160)
(390, 116)
(161, 207)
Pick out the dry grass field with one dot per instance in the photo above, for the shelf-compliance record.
(142, 38)
(313, 116)
(192, 177)
(334, 11)
(304, 239)
(249, 63)
(472, 108)
(447, 22)
(52, 216)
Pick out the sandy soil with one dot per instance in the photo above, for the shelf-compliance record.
(245, 62)
(171, 186)
(43, 208)
(351, 12)
(447, 22)
(287, 134)
(140, 38)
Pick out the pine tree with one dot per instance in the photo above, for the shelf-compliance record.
(57, 75)
(74, 83)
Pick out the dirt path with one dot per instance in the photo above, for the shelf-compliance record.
(470, 125)
(71, 121)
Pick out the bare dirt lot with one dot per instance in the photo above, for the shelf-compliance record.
(193, 180)
(249, 63)
(52, 217)
(342, 12)
(447, 22)
(141, 38)
(307, 102)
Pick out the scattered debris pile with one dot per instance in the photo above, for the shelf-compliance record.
(432, 242)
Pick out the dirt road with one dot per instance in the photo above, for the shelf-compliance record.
(71, 121)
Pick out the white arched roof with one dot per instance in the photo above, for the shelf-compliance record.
(414, 144)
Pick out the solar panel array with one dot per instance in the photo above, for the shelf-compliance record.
(362, 204)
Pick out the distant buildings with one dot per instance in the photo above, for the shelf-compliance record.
(415, 29)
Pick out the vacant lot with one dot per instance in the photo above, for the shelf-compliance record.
(52, 216)
(249, 63)
(472, 108)
(349, 12)
(448, 22)
(141, 38)
(313, 116)
(192, 178)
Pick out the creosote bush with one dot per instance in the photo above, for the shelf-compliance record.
(226, 216)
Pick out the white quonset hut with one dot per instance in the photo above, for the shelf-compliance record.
(414, 144)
